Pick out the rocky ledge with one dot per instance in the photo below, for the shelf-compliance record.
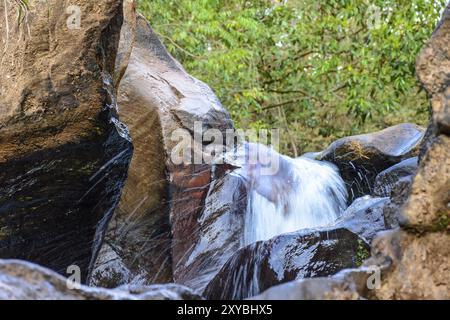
(20, 280)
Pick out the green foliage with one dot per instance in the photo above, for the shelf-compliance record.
(317, 69)
(443, 222)
(23, 10)
(362, 254)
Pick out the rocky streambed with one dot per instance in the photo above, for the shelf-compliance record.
(88, 180)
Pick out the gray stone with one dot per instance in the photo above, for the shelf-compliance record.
(386, 180)
(364, 217)
(20, 280)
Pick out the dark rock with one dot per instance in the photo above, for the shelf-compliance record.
(349, 284)
(386, 180)
(399, 195)
(64, 154)
(303, 254)
(428, 208)
(20, 280)
(365, 217)
(361, 158)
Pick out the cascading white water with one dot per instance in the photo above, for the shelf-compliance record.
(301, 193)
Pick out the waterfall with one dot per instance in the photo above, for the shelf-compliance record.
(297, 194)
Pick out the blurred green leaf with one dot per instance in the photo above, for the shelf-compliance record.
(335, 67)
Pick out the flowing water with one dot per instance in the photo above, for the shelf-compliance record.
(294, 194)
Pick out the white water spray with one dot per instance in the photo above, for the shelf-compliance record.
(301, 193)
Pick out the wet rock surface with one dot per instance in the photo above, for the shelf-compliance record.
(349, 284)
(361, 158)
(63, 152)
(365, 217)
(221, 234)
(20, 280)
(399, 196)
(387, 180)
(409, 267)
(137, 248)
(428, 206)
(303, 254)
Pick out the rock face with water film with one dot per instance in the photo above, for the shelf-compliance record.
(175, 221)
(22, 280)
(220, 235)
(138, 242)
(387, 180)
(408, 267)
(298, 255)
(361, 158)
(63, 152)
(365, 217)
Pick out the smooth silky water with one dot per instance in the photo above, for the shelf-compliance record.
(286, 194)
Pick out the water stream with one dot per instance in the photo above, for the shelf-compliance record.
(287, 194)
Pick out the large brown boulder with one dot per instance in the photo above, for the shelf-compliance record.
(63, 152)
(175, 222)
(424, 270)
(433, 68)
(298, 255)
(428, 207)
(361, 158)
(418, 265)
